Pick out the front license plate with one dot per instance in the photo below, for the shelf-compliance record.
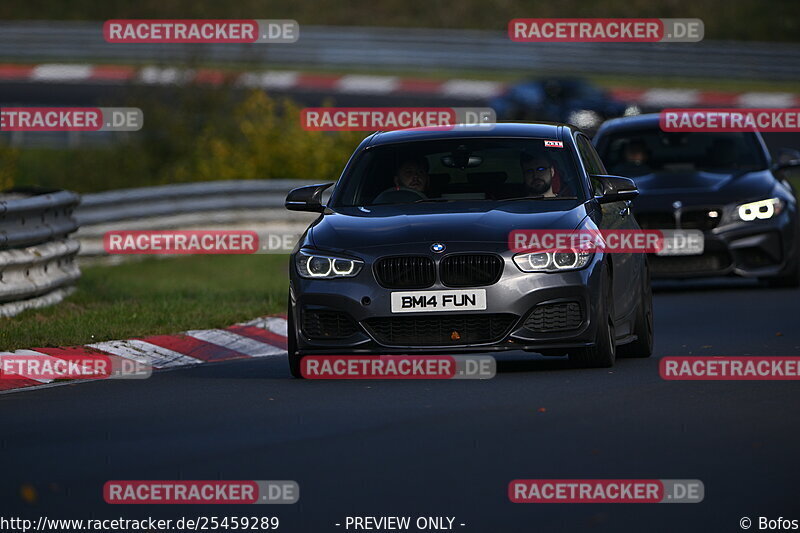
(433, 301)
(683, 242)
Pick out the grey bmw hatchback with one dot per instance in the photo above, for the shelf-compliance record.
(411, 255)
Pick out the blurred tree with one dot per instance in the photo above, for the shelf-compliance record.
(9, 161)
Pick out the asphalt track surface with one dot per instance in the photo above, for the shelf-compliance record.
(442, 448)
(439, 448)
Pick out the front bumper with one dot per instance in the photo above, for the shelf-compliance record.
(515, 296)
(763, 248)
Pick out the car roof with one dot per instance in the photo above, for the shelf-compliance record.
(648, 120)
(632, 122)
(539, 130)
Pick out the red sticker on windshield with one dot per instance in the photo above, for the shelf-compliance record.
(553, 144)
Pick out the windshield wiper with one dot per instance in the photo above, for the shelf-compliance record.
(423, 200)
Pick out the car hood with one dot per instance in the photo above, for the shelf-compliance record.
(706, 188)
(380, 226)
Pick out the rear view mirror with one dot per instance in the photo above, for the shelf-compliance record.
(615, 188)
(308, 198)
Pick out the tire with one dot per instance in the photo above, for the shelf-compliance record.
(643, 329)
(604, 352)
(295, 359)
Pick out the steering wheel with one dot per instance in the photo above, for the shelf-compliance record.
(399, 196)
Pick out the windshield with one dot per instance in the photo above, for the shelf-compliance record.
(636, 153)
(460, 170)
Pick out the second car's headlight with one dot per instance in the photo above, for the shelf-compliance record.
(761, 210)
(557, 261)
(322, 266)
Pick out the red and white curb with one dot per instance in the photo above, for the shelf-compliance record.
(362, 84)
(262, 337)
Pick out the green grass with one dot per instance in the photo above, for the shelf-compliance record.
(155, 296)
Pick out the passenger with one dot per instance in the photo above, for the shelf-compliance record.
(537, 174)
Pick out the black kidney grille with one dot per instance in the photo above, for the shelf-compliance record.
(328, 324)
(700, 219)
(439, 330)
(562, 316)
(470, 270)
(407, 272)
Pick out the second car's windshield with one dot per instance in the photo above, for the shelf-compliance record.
(636, 153)
(460, 170)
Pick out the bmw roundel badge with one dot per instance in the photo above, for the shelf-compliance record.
(437, 247)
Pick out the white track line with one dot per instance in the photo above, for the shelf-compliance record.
(29, 353)
(767, 100)
(367, 84)
(146, 353)
(273, 79)
(232, 341)
(276, 325)
(57, 72)
(474, 88)
(164, 76)
(670, 97)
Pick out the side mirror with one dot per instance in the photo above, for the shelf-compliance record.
(308, 198)
(615, 189)
(787, 158)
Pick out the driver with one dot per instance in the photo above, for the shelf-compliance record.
(537, 174)
(411, 181)
(413, 174)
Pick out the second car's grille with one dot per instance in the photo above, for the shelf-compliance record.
(328, 324)
(563, 316)
(409, 272)
(470, 270)
(702, 219)
(439, 330)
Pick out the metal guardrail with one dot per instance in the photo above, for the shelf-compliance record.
(393, 48)
(237, 204)
(171, 200)
(37, 258)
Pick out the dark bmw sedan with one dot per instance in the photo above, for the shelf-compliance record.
(411, 255)
(722, 184)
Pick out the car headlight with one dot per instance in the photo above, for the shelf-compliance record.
(761, 210)
(312, 265)
(557, 261)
